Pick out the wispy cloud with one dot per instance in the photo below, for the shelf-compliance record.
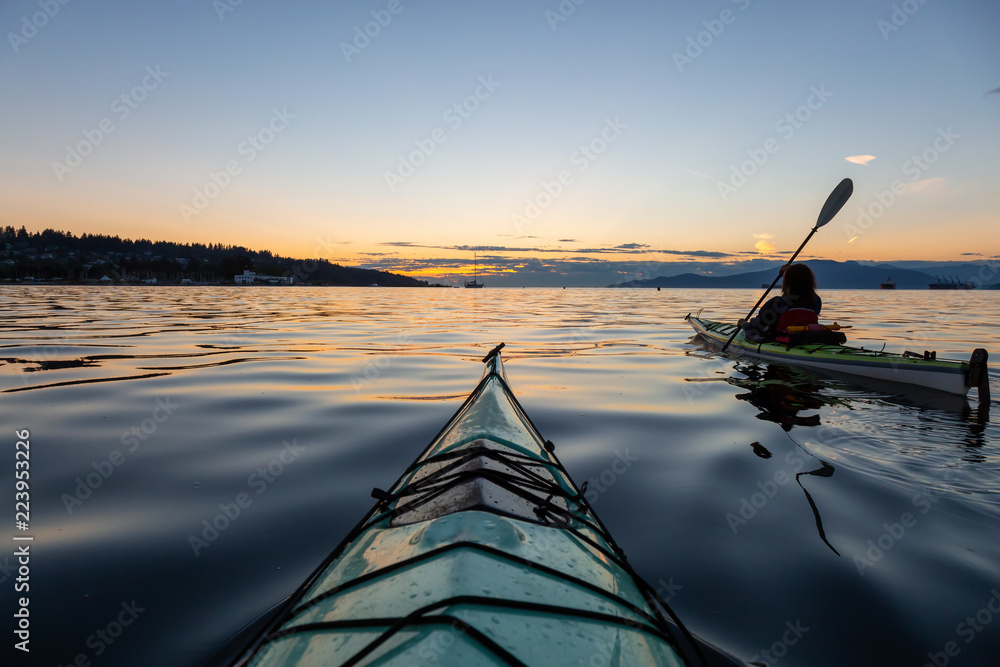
(860, 159)
(624, 249)
(926, 186)
(698, 173)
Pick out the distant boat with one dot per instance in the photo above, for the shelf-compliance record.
(475, 284)
(952, 283)
(888, 284)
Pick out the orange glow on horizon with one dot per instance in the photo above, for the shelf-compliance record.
(878, 244)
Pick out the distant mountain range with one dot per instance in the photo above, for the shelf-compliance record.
(829, 275)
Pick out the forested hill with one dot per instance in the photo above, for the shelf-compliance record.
(52, 255)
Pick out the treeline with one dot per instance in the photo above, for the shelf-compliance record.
(58, 255)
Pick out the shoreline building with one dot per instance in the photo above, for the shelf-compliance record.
(251, 278)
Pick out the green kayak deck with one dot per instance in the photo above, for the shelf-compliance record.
(955, 377)
(484, 552)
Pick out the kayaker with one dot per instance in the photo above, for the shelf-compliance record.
(797, 304)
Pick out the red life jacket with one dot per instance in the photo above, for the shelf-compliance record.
(796, 317)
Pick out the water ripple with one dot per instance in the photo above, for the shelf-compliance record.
(769, 494)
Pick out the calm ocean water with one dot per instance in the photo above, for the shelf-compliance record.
(758, 499)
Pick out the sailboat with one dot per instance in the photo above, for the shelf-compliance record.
(475, 284)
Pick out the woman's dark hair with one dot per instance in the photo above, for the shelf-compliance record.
(798, 282)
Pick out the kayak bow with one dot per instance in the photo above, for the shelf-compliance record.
(484, 552)
(955, 377)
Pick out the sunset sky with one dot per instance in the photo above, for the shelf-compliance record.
(411, 134)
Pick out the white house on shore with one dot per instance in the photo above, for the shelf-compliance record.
(251, 278)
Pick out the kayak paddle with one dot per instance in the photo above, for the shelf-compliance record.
(833, 204)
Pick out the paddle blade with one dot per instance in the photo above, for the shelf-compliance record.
(835, 202)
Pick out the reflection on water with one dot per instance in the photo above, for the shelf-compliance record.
(824, 470)
(361, 379)
(781, 393)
